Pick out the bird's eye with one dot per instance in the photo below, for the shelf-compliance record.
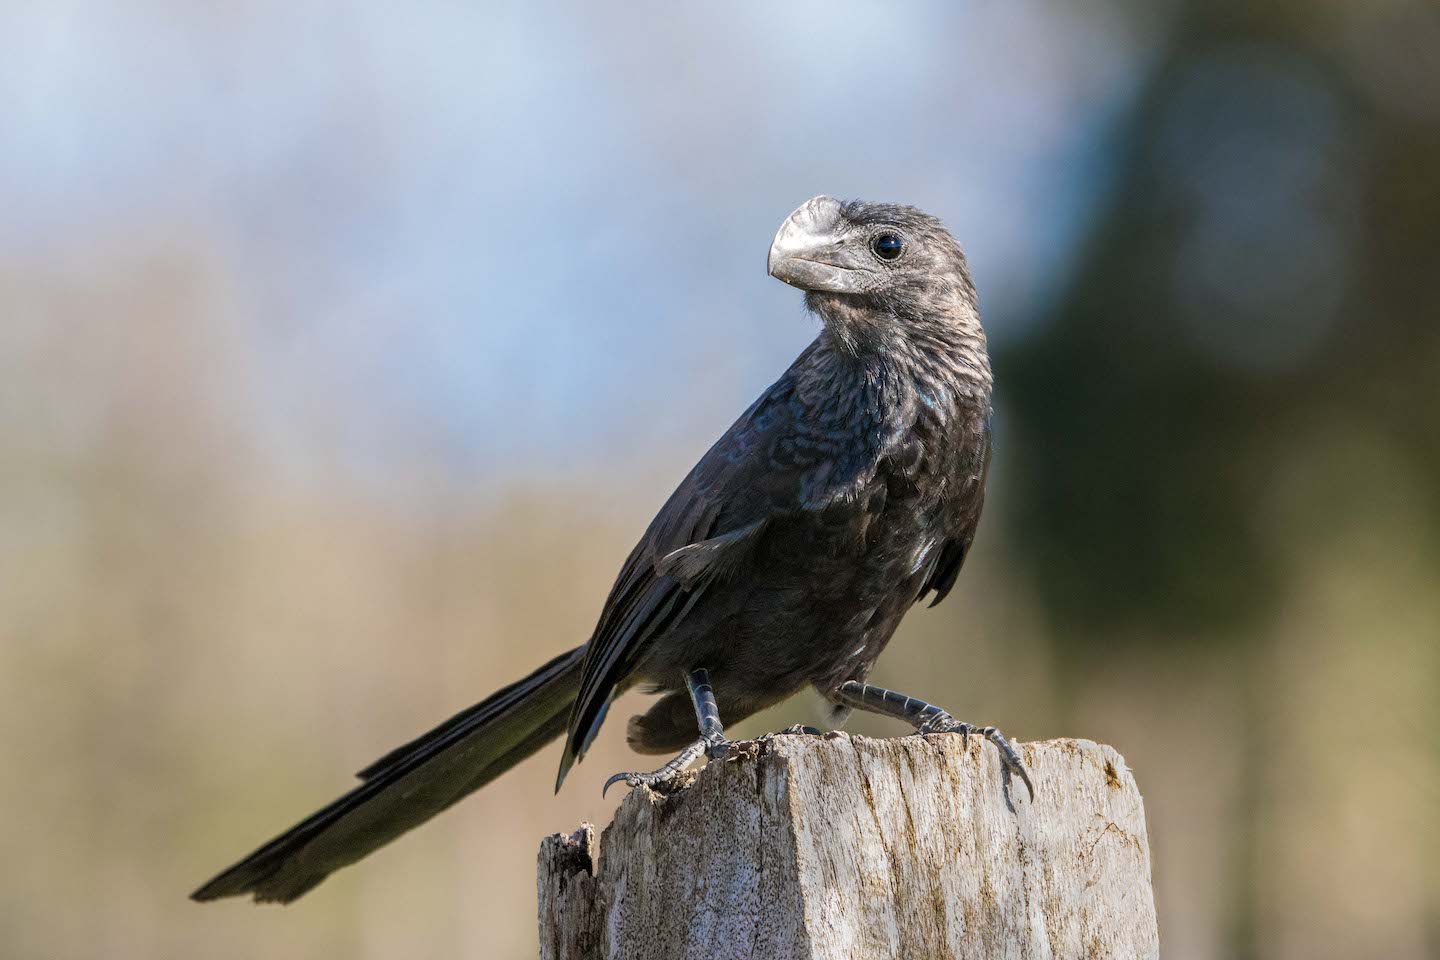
(887, 246)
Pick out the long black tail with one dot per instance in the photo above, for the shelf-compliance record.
(410, 784)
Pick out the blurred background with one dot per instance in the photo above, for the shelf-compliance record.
(346, 348)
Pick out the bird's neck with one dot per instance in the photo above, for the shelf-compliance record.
(941, 347)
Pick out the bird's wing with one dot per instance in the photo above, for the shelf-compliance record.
(780, 458)
(950, 557)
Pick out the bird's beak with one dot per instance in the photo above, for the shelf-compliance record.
(808, 251)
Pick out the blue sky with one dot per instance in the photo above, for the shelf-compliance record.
(533, 233)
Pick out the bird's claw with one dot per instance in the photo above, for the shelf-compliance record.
(666, 776)
(1010, 763)
(633, 780)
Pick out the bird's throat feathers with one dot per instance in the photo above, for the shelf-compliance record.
(939, 338)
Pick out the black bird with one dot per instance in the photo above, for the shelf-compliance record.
(850, 490)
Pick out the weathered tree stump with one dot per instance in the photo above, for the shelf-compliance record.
(847, 847)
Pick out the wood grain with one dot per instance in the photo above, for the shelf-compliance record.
(849, 847)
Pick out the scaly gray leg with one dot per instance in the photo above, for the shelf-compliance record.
(712, 740)
(707, 714)
(927, 718)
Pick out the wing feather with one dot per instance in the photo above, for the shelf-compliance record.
(782, 456)
(951, 556)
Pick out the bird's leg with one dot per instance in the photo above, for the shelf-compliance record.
(712, 740)
(927, 718)
(707, 714)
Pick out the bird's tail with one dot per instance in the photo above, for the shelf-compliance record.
(409, 785)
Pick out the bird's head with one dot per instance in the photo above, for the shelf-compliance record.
(874, 270)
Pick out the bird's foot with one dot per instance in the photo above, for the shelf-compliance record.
(795, 730)
(715, 748)
(1010, 763)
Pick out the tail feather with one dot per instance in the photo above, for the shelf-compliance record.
(471, 717)
(409, 785)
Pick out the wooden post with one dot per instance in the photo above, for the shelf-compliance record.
(851, 848)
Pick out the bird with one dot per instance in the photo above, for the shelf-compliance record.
(847, 493)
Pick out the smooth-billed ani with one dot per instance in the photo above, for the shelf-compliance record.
(850, 490)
